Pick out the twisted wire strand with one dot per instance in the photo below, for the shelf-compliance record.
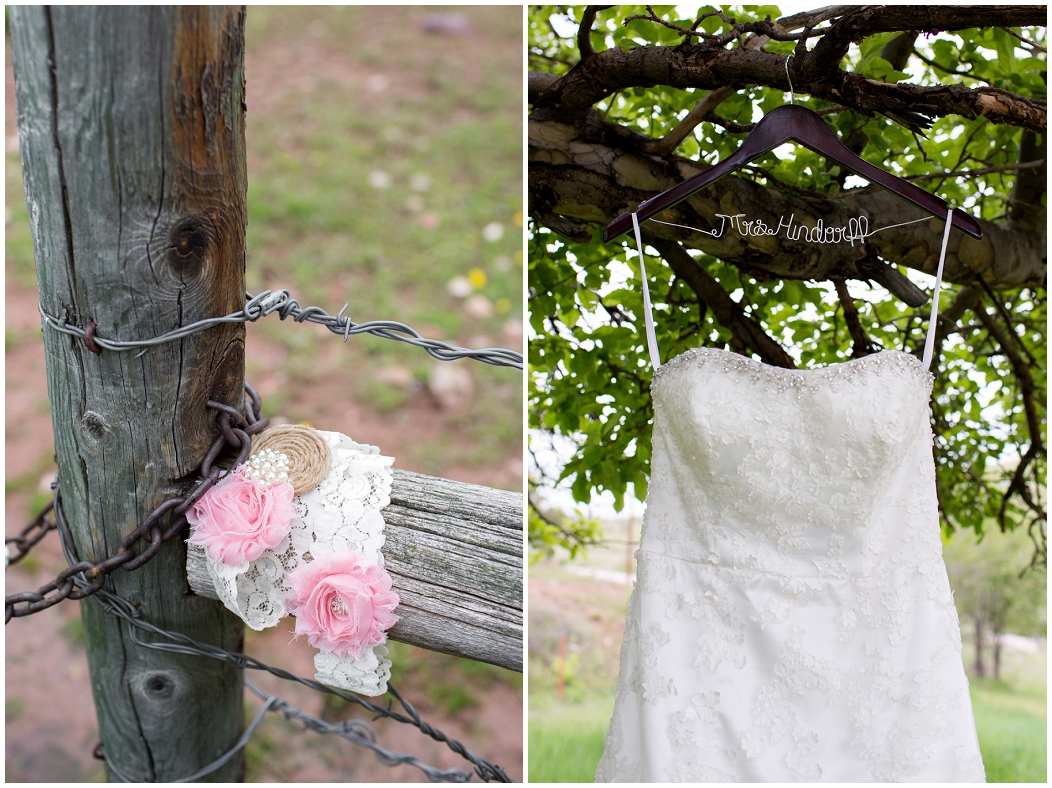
(282, 302)
(182, 644)
(361, 733)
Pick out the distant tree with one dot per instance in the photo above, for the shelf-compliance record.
(995, 590)
(550, 528)
(628, 100)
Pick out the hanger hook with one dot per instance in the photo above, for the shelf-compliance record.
(792, 93)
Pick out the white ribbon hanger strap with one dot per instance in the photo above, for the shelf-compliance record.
(929, 343)
(648, 312)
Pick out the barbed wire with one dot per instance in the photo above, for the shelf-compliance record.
(282, 302)
(64, 586)
(361, 733)
(182, 644)
(82, 578)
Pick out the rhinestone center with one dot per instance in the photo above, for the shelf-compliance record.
(338, 606)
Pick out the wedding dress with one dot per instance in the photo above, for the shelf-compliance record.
(792, 618)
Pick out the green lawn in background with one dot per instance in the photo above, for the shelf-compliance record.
(566, 742)
(1012, 729)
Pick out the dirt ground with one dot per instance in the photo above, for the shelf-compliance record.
(49, 713)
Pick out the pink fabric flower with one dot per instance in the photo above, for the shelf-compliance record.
(342, 603)
(237, 520)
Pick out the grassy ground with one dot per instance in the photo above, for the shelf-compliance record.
(377, 179)
(1011, 719)
(566, 736)
(566, 742)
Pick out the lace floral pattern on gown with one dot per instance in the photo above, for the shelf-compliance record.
(342, 514)
(792, 618)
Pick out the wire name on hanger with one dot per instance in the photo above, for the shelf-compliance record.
(857, 229)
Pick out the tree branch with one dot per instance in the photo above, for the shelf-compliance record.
(537, 82)
(671, 141)
(898, 50)
(934, 176)
(1021, 370)
(567, 228)
(860, 343)
(1025, 200)
(816, 72)
(945, 70)
(1027, 41)
(724, 309)
(772, 30)
(584, 32)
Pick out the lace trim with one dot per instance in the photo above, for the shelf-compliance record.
(342, 514)
(782, 379)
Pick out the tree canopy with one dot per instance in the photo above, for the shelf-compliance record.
(626, 101)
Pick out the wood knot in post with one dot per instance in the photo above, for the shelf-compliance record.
(156, 686)
(308, 452)
(189, 245)
(94, 425)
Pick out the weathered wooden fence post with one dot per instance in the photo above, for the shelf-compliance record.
(131, 125)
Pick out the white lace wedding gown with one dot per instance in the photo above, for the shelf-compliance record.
(792, 618)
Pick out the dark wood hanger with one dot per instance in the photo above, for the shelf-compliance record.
(792, 122)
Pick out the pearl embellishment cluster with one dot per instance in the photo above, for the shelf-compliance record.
(267, 467)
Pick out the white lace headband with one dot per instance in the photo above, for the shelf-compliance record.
(317, 555)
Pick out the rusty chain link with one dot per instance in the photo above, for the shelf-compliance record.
(17, 546)
(234, 433)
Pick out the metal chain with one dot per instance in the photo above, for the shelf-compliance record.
(235, 430)
(29, 536)
(82, 579)
(282, 302)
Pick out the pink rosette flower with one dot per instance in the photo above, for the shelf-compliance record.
(237, 519)
(342, 603)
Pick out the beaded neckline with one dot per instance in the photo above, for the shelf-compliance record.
(757, 370)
